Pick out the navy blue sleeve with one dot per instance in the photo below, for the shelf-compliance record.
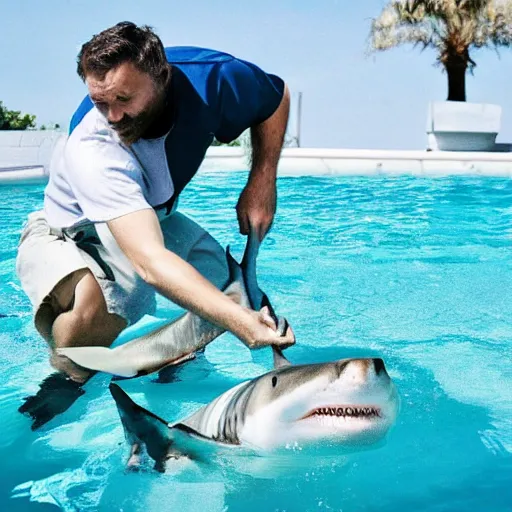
(247, 96)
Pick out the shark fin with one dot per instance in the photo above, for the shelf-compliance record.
(248, 266)
(101, 359)
(257, 298)
(143, 428)
(280, 360)
(235, 287)
(252, 248)
(235, 270)
(162, 440)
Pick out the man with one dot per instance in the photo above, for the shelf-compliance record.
(109, 235)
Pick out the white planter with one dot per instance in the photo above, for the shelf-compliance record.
(461, 126)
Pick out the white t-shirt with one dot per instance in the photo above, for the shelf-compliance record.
(96, 178)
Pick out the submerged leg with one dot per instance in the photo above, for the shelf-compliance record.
(75, 314)
(87, 323)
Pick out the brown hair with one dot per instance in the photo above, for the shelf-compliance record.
(124, 42)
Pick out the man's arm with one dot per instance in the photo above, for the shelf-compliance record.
(257, 203)
(140, 238)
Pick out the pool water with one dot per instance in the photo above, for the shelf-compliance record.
(417, 271)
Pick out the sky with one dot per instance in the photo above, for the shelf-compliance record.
(319, 47)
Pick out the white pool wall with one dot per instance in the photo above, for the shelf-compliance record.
(24, 158)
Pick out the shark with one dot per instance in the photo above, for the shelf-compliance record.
(351, 403)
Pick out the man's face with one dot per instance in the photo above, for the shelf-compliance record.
(128, 98)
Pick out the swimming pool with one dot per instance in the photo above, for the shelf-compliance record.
(415, 270)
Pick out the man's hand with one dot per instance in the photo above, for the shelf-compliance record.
(263, 332)
(257, 205)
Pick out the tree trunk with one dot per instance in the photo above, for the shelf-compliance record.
(456, 69)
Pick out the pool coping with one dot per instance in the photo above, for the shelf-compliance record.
(330, 162)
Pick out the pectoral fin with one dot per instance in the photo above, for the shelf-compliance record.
(101, 359)
(143, 429)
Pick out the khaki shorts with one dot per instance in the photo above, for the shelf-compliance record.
(48, 256)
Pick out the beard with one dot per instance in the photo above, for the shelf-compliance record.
(131, 128)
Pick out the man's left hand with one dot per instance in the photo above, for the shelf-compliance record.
(257, 205)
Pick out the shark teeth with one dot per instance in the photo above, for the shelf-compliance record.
(346, 411)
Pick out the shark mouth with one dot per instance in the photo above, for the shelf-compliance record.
(349, 411)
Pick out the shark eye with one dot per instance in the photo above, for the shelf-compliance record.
(274, 381)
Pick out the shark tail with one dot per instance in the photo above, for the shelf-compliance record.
(142, 428)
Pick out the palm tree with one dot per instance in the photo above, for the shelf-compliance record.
(452, 28)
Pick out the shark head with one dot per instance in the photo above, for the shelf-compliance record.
(350, 401)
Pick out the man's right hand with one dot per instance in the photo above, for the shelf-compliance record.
(261, 331)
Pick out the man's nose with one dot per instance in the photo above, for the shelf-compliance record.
(115, 114)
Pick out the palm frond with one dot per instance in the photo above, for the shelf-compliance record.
(453, 26)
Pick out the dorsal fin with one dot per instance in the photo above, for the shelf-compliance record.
(235, 270)
(257, 298)
(249, 270)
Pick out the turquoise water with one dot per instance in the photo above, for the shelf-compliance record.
(417, 271)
